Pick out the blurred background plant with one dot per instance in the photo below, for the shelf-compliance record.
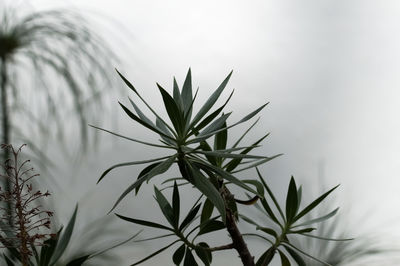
(55, 70)
(32, 239)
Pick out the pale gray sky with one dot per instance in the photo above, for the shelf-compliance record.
(329, 68)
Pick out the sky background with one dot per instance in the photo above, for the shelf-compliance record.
(330, 70)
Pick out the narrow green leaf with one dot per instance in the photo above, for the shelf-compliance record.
(245, 133)
(155, 253)
(208, 189)
(306, 254)
(220, 141)
(148, 106)
(301, 231)
(144, 173)
(247, 117)
(176, 204)
(140, 113)
(116, 245)
(218, 154)
(206, 121)
(266, 257)
(297, 258)
(217, 125)
(268, 231)
(64, 239)
(210, 102)
(313, 204)
(8, 261)
(328, 239)
(173, 112)
(227, 176)
(284, 260)
(178, 255)
(189, 259)
(140, 121)
(234, 163)
(257, 163)
(78, 261)
(159, 169)
(48, 248)
(205, 147)
(136, 140)
(291, 201)
(187, 94)
(271, 195)
(207, 211)
(189, 217)
(269, 211)
(129, 164)
(153, 238)
(299, 195)
(177, 97)
(204, 255)
(143, 222)
(319, 219)
(211, 226)
(164, 129)
(165, 207)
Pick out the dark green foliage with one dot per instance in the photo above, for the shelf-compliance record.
(212, 170)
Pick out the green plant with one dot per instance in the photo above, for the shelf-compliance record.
(212, 170)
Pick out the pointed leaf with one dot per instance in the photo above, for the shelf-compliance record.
(144, 173)
(173, 112)
(136, 92)
(210, 102)
(159, 169)
(227, 176)
(284, 260)
(297, 258)
(206, 212)
(143, 123)
(177, 97)
(203, 254)
(189, 217)
(313, 204)
(136, 140)
(266, 257)
(155, 253)
(268, 231)
(78, 261)
(189, 259)
(208, 189)
(271, 194)
(143, 222)
(206, 121)
(165, 207)
(291, 201)
(211, 226)
(187, 94)
(319, 219)
(129, 164)
(178, 255)
(64, 239)
(176, 204)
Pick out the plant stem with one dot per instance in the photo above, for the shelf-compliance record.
(23, 235)
(238, 242)
(5, 124)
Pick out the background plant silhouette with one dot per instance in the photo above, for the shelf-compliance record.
(54, 71)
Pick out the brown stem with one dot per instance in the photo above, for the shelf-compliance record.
(23, 235)
(238, 242)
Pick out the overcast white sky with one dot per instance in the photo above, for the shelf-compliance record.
(329, 68)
